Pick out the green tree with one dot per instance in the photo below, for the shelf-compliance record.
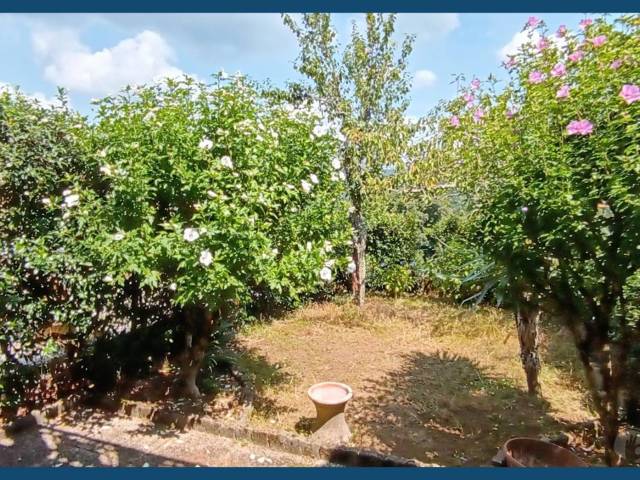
(211, 194)
(45, 280)
(550, 166)
(362, 90)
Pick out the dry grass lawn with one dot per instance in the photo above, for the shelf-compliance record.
(431, 380)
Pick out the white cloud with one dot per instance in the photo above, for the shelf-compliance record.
(522, 38)
(424, 79)
(222, 36)
(519, 39)
(71, 64)
(219, 35)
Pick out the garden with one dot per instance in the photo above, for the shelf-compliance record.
(212, 249)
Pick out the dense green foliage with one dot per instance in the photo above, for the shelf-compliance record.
(44, 277)
(180, 195)
(214, 193)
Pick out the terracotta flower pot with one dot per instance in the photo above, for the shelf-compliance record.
(530, 452)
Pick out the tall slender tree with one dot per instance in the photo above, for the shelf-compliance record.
(363, 90)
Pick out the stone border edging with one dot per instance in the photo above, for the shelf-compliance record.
(39, 417)
(342, 454)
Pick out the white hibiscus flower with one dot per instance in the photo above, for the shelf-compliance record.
(226, 161)
(118, 236)
(325, 274)
(72, 200)
(205, 144)
(306, 186)
(336, 163)
(206, 258)
(191, 234)
(314, 178)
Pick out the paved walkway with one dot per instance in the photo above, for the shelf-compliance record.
(97, 440)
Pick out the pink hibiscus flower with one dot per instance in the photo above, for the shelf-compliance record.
(536, 77)
(599, 40)
(468, 97)
(576, 56)
(475, 84)
(455, 121)
(562, 31)
(585, 23)
(511, 62)
(616, 64)
(563, 92)
(543, 43)
(478, 114)
(559, 70)
(579, 127)
(533, 22)
(630, 93)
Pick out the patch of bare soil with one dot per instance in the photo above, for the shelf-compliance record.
(89, 439)
(431, 381)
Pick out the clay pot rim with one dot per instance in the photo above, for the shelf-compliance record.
(537, 440)
(344, 386)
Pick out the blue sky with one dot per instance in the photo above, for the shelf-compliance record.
(96, 54)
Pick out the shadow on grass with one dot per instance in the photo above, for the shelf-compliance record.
(261, 375)
(445, 409)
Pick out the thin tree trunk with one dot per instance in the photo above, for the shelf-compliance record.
(360, 249)
(527, 323)
(200, 324)
(597, 362)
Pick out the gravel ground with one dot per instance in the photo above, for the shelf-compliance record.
(96, 440)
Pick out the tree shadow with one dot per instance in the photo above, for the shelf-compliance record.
(445, 409)
(261, 376)
(52, 446)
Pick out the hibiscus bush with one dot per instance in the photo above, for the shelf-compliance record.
(181, 205)
(549, 164)
(216, 196)
(45, 283)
